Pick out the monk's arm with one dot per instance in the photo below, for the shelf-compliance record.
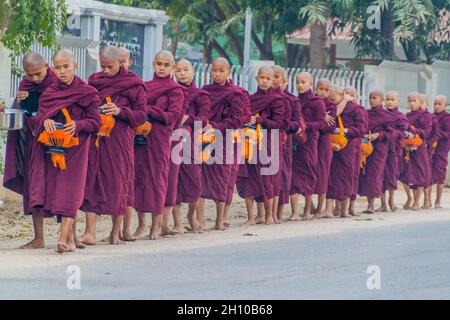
(321, 113)
(169, 115)
(294, 124)
(136, 114)
(425, 127)
(91, 122)
(360, 127)
(246, 114)
(204, 109)
(275, 121)
(235, 118)
(436, 130)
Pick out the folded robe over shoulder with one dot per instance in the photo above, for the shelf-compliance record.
(270, 107)
(431, 141)
(190, 177)
(357, 162)
(440, 158)
(392, 170)
(111, 166)
(305, 156)
(165, 101)
(417, 170)
(343, 163)
(61, 193)
(19, 144)
(325, 152)
(370, 179)
(226, 114)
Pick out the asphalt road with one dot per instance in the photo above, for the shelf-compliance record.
(413, 260)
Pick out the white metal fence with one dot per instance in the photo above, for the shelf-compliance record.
(245, 77)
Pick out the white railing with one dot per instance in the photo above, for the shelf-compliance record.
(244, 77)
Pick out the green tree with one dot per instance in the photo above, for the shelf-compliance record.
(22, 22)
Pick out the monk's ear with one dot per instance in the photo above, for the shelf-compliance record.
(75, 64)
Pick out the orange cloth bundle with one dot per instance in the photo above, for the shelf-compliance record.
(206, 139)
(251, 138)
(108, 123)
(366, 150)
(411, 144)
(144, 129)
(339, 141)
(58, 141)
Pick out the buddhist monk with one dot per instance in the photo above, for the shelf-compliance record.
(190, 178)
(392, 170)
(305, 156)
(58, 180)
(416, 169)
(380, 128)
(431, 147)
(440, 157)
(39, 76)
(111, 157)
(323, 90)
(267, 110)
(292, 126)
(165, 103)
(342, 170)
(227, 105)
(125, 59)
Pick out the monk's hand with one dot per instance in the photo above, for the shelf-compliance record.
(299, 131)
(408, 135)
(2, 106)
(111, 108)
(329, 119)
(375, 136)
(70, 128)
(22, 95)
(252, 121)
(208, 127)
(185, 118)
(50, 125)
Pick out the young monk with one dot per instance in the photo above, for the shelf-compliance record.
(392, 170)
(416, 171)
(19, 143)
(190, 178)
(342, 171)
(227, 108)
(292, 126)
(380, 128)
(440, 158)
(431, 147)
(111, 159)
(165, 103)
(305, 157)
(323, 90)
(267, 111)
(57, 190)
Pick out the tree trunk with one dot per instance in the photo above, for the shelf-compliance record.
(221, 51)
(387, 49)
(175, 38)
(410, 49)
(207, 52)
(317, 54)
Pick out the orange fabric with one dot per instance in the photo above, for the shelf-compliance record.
(339, 141)
(411, 144)
(366, 151)
(108, 123)
(144, 129)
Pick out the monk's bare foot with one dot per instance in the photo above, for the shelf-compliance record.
(318, 215)
(381, 209)
(327, 215)
(276, 220)
(154, 233)
(407, 205)
(220, 227)
(307, 217)
(115, 240)
(250, 222)
(79, 244)
(369, 210)
(127, 237)
(415, 207)
(88, 239)
(352, 213)
(226, 224)
(294, 217)
(260, 220)
(345, 215)
(437, 205)
(270, 221)
(394, 209)
(62, 248)
(34, 244)
(178, 230)
(71, 245)
(140, 232)
(167, 231)
(427, 205)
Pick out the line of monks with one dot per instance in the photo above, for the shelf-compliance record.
(104, 147)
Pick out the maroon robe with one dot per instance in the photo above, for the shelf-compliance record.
(227, 108)
(111, 166)
(190, 176)
(417, 171)
(391, 169)
(371, 178)
(165, 102)
(19, 145)
(236, 167)
(325, 153)
(440, 157)
(305, 155)
(433, 138)
(58, 192)
(343, 170)
(270, 107)
(292, 125)
(357, 162)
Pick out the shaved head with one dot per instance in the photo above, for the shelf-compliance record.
(266, 69)
(110, 53)
(441, 97)
(222, 61)
(33, 59)
(377, 93)
(125, 53)
(440, 103)
(324, 82)
(393, 93)
(278, 69)
(63, 54)
(184, 62)
(414, 94)
(305, 75)
(304, 82)
(165, 54)
(163, 64)
(184, 72)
